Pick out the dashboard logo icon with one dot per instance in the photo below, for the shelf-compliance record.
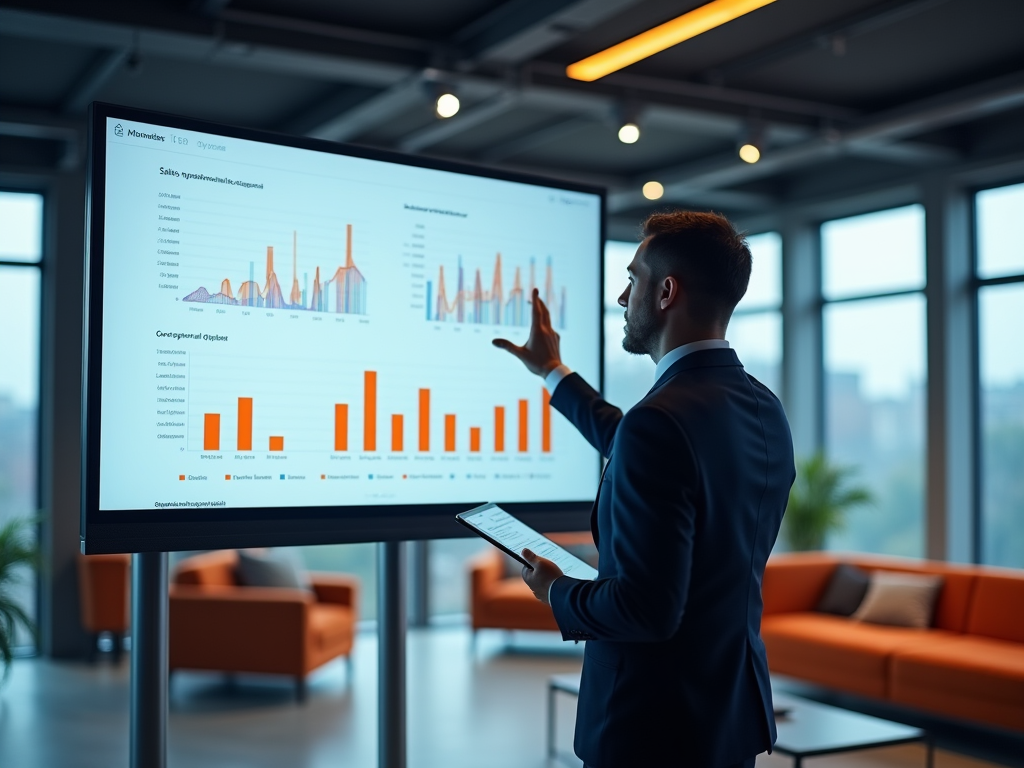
(118, 130)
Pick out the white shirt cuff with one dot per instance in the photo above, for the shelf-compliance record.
(555, 377)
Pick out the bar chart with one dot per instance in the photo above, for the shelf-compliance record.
(457, 433)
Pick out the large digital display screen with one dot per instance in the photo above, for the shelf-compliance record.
(287, 327)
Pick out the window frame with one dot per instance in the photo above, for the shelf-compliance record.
(41, 266)
(976, 286)
(822, 302)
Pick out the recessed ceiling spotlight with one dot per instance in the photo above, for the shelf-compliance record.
(653, 190)
(447, 105)
(629, 133)
(749, 153)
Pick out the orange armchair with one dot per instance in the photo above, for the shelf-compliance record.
(499, 601)
(216, 624)
(104, 584)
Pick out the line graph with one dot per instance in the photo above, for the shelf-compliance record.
(476, 306)
(343, 293)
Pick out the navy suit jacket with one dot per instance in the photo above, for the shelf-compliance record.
(688, 509)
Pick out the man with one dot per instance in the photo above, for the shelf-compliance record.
(688, 509)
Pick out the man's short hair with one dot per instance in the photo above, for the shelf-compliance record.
(706, 253)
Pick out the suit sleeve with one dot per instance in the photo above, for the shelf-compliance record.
(654, 486)
(593, 416)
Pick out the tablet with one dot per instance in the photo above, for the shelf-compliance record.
(512, 536)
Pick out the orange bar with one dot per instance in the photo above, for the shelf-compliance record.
(424, 419)
(499, 428)
(276, 443)
(474, 439)
(397, 432)
(524, 411)
(370, 411)
(341, 426)
(545, 420)
(245, 423)
(211, 432)
(449, 432)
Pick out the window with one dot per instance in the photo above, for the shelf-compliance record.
(873, 273)
(1000, 264)
(755, 331)
(21, 250)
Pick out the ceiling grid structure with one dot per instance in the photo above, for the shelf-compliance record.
(858, 89)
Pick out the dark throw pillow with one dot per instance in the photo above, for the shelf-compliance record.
(263, 571)
(845, 591)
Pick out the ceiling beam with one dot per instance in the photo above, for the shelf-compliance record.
(958, 106)
(551, 132)
(518, 30)
(354, 121)
(853, 25)
(103, 67)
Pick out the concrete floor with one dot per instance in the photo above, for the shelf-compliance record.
(465, 711)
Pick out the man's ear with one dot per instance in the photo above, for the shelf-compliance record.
(669, 291)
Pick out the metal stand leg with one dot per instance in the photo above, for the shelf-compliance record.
(929, 758)
(148, 744)
(551, 720)
(391, 622)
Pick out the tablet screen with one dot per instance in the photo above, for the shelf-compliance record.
(497, 525)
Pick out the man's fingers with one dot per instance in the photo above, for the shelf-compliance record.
(508, 346)
(529, 555)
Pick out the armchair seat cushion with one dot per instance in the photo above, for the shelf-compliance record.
(837, 652)
(510, 604)
(330, 625)
(976, 678)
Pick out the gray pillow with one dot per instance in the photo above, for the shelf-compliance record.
(845, 591)
(267, 571)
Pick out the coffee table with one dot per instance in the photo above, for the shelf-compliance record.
(809, 729)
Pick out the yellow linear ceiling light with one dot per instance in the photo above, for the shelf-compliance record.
(656, 40)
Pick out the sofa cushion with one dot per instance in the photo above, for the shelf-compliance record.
(899, 599)
(954, 598)
(795, 581)
(976, 678)
(838, 652)
(997, 610)
(267, 570)
(845, 591)
(210, 569)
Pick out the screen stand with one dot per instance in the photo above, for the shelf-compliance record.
(148, 744)
(391, 621)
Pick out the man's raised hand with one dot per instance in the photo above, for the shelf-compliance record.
(540, 353)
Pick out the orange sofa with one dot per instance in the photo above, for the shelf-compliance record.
(500, 601)
(104, 586)
(968, 665)
(215, 624)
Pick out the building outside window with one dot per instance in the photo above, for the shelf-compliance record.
(1000, 272)
(873, 275)
(21, 252)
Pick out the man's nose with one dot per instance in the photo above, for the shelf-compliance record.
(624, 298)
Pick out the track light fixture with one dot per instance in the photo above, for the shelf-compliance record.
(447, 105)
(629, 133)
(751, 144)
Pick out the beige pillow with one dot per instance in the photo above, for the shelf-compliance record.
(899, 599)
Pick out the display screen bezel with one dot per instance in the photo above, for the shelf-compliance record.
(149, 530)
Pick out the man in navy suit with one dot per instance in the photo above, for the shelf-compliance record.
(688, 509)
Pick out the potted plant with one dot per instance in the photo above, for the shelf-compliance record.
(17, 552)
(819, 501)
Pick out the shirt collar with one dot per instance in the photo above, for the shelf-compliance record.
(679, 353)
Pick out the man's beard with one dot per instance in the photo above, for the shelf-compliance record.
(641, 332)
